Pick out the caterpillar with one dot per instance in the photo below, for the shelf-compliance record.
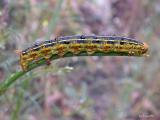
(80, 43)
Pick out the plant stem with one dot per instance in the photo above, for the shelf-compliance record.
(12, 78)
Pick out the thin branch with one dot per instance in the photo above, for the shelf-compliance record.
(8, 82)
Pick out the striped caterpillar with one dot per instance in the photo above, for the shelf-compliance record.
(80, 43)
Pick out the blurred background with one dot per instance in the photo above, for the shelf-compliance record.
(81, 88)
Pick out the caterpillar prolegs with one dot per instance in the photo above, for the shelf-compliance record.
(78, 44)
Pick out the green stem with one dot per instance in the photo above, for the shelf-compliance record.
(8, 82)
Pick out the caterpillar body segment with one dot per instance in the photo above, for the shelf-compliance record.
(81, 43)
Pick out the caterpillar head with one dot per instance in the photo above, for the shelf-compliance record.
(145, 49)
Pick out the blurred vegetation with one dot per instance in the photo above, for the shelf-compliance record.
(81, 88)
